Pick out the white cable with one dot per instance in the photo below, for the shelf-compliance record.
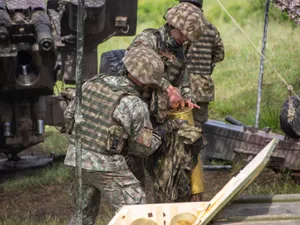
(289, 87)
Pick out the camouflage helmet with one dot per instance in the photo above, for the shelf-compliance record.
(198, 3)
(188, 19)
(144, 64)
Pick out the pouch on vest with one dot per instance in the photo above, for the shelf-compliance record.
(116, 139)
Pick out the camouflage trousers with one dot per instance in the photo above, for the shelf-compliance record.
(118, 187)
(201, 115)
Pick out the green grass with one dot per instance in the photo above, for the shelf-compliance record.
(55, 142)
(55, 174)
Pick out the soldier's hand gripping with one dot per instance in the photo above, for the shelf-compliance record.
(174, 95)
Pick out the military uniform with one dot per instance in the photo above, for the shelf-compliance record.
(201, 59)
(172, 54)
(188, 19)
(116, 123)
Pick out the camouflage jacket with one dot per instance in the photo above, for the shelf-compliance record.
(133, 115)
(201, 59)
(292, 7)
(173, 56)
(23, 4)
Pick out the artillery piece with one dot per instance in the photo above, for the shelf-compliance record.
(37, 49)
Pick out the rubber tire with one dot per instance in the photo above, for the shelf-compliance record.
(111, 62)
(284, 124)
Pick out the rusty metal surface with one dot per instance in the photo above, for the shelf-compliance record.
(259, 210)
(225, 140)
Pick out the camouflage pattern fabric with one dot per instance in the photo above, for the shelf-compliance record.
(90, 3)
(206, 52)
(201, 115)
(136, 61)
(187, 18)
(172, 165)
(173, 57)
(201, 59)
(99, 130)
(118, 188)
(203, 87)
(133, 115)
(292, 7)
(159, 105)
(199, 3)
(40, 17)
(56, 28)
(172, 54)
(25, 4)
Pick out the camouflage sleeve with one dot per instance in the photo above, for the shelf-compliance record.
(164, 84)
(218, 51)
(133, 114)
(185, 86)
(70, 110)
(149, 40)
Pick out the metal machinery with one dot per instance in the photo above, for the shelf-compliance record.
(33, 57)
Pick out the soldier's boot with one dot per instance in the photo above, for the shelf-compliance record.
(197, 182)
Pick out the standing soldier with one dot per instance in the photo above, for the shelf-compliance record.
(185, 23)
(201, 59)
(116, 123)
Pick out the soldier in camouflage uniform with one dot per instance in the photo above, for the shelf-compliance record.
(116, 123)
(202, 57)
(184, 23)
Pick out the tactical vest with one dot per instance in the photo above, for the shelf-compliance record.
(174, 63)
(99, 132)
(199, 57)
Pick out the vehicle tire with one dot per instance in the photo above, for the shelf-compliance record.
(290, 129)
(111, 62)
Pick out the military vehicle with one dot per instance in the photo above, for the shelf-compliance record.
(33, 58)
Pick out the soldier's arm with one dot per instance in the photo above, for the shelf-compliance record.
(132, 113)
(185, 86)
(147, 39)
(218, 50)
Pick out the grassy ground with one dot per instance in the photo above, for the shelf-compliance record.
(236, 89)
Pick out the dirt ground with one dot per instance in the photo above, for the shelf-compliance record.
(53, 201)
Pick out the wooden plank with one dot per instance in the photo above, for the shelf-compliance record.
(162, 214)
(278, 222)
(237, 184)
